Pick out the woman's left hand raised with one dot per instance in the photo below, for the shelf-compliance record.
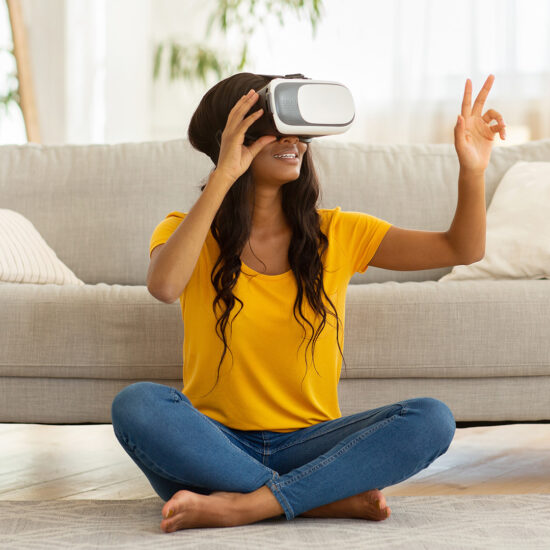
(473, 135)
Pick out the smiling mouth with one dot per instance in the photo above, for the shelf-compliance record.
(288, 158)
(286, 155)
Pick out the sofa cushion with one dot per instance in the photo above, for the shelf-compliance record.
(392, 330)
(92, 331)
(97, 205)
(518, 228)
(458, 329)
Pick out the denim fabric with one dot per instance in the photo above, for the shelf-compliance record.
(177, 447)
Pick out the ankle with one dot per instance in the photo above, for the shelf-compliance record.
(257, 505)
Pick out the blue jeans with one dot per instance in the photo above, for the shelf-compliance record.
(178, 447)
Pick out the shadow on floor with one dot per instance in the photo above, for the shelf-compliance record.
(498, 423)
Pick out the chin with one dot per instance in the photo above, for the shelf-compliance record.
(278, 172)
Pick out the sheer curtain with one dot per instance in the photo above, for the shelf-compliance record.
(406, 63)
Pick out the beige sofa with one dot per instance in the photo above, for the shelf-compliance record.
(482, 347)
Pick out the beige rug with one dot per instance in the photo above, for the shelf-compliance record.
(519, 522)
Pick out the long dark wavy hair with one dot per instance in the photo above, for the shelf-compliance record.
(232, 223)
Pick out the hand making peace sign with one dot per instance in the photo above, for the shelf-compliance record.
(473, 135)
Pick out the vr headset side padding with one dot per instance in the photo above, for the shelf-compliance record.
(302, 107)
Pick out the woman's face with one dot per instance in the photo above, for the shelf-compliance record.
(269, 167)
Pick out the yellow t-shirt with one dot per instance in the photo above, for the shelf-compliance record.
(263, 388)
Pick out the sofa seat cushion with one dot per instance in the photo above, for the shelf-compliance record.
(451, 329)
(392, 330)
(92, 331)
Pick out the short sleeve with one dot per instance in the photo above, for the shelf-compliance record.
(360, 234)
(165, 228)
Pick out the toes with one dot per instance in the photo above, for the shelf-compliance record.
(383, 511)
(170, 525)
(165, 522)
(165, 526)
(380, 502)
(169, 509)
(375, 499)
(172, 504)
(168, 512)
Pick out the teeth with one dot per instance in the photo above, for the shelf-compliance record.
(286, 156)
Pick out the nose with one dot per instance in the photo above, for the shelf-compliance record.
(289, 139)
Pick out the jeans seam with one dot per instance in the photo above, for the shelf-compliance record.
(287, 508)
(251, 446)
(265, 452)
(402, 413)
(341, 451)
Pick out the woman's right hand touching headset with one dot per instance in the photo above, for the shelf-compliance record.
(235, 158)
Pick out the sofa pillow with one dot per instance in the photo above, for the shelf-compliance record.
(518, 228)
(25, 256)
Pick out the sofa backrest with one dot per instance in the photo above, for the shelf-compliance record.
(97, 205)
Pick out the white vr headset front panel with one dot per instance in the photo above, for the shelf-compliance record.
(325, 103)
(311, 107)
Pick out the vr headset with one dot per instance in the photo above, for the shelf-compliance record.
(298, 106)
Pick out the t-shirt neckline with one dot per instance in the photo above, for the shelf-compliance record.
(249, 271)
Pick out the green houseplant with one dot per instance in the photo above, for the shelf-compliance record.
(197, 61)
(10, 93)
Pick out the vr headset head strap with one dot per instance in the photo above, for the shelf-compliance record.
(295, 75)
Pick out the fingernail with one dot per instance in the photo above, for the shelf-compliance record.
(169, 514)
(379, 505)
(251, 92)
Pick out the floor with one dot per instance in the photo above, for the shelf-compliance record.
(43, 462)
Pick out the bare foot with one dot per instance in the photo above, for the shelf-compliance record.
(195, 510)
(224, 509)
(362, 505)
